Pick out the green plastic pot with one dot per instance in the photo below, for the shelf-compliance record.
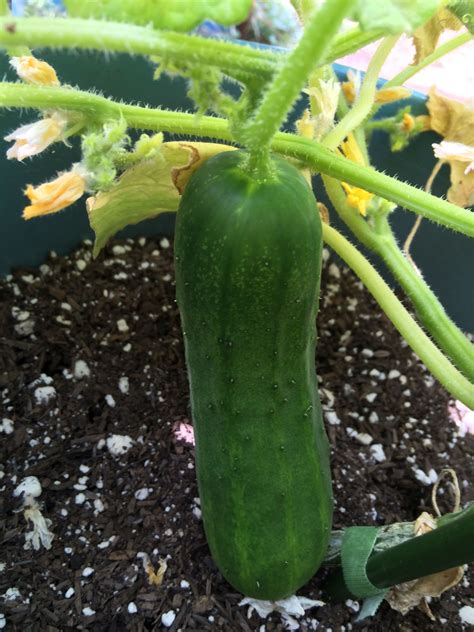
(444, 257)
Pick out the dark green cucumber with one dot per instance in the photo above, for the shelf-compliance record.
(248, 264)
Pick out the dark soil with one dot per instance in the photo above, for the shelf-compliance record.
(118, 316)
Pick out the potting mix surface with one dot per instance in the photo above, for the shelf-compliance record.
(94, 403)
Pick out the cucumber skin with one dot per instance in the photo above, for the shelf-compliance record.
(248, 266)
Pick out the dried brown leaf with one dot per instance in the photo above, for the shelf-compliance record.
(452, 119)
(414, 594)
(455, 122)
(461, 191)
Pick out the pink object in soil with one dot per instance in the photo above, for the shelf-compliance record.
(184, 432)
(462, 416)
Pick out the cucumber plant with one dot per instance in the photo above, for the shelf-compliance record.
(248, 237)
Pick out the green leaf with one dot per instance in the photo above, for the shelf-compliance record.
(147, 189)
(394, 16)
(464, 11)
(177, 15)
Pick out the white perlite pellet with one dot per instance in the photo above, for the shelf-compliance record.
(122, 325)
(44, 394)
(119, 444)
(167, 618)
(124, 385)
(466, 614)
(81, 369)
(7, 426)
(332, 418)
(377, 452)
(426, 479)
(142, 494)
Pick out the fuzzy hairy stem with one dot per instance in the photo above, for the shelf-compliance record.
(363, 105)
(310, 152)
(120, 37)
(409, 72)
(429, 310)
(439, 52)
(405, 195)
(454, 382)
(235, 60)
(291, 77)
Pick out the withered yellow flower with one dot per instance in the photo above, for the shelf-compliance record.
(32, 70)
(357, 198)
(305, 125)
(32, 139)
(51, 197)
(387, 95)
(450, 150)
(351, 87)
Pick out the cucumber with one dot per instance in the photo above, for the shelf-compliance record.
(248, 266)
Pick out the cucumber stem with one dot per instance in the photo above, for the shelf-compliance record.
(97, 108)
(233, 59)
(429, 310)
(363, 104)
(447, 374)
(449, 545)
(292, 75)
(439, 52)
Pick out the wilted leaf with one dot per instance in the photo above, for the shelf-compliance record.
(147, 189)
(461, 191)
(455, 122)
(452, 119)
(197, 153)
(155, 578)
(426, 37)
(177, 15)
(393, 16)
(409, 595)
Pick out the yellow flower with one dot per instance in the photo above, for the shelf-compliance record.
(387, 95)
(32, 70)
(32, 139)
(408, 122)
(351, 150)
(351, 87)
(54, 196)
(305, 125)
(357, 198)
